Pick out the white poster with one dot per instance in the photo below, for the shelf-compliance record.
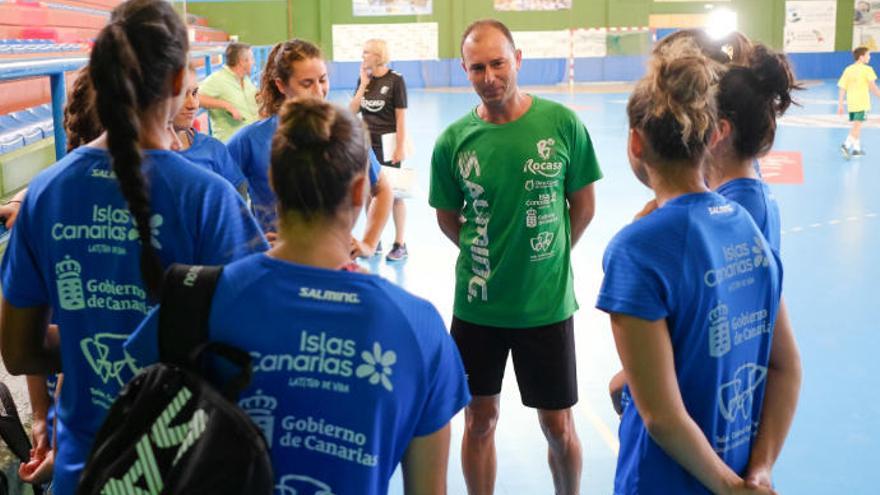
(526, 5)
(543, 44)
(390, 7)
(866, 25)
(563, 43)
(590, 43)
(406, 41)
(810, 26)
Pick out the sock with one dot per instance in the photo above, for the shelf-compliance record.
(849, 141)
(856, 145)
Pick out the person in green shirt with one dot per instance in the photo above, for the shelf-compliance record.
(854, 83)
(229, 95)
(512, 183)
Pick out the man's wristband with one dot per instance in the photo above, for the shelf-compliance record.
(11, 201)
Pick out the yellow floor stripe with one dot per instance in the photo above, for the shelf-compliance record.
(605, 431)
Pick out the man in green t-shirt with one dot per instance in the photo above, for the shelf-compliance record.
(512, 185)
(229, 95)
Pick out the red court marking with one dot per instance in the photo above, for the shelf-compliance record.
(783, 167)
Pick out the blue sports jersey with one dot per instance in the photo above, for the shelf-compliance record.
(348, 368)
(700, 263)
(74, 248)
(250, 147)
(212, 154)
(755, 196)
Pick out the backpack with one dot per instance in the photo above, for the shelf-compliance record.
(171, 431)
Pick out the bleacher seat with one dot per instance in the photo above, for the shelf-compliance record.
(25, 127)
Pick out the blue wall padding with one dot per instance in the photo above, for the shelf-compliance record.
(824, 65)
(534, 72)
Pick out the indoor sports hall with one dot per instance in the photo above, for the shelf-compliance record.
(586, 55)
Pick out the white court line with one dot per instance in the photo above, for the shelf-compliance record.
(836, 221)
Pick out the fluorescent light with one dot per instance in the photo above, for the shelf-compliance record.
(720, 23)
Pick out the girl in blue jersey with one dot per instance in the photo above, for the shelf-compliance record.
(96, 228)
(202, 149)
(296, 68)
(693, 291)
(753, 92)
(352, 374)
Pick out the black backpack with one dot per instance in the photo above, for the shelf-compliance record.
(171, 431)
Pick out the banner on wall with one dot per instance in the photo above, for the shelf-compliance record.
(391, 7)
(866, 25)
(563, 43)
(810, 26)
(525, 5)
(406, 41)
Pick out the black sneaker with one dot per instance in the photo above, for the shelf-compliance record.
(398, 252)
(844, 151)
(858, 153)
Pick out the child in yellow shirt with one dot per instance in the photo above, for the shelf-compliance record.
(855, 83)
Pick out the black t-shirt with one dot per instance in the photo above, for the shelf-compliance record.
(383, 95)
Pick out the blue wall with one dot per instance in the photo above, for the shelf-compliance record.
(448, 72)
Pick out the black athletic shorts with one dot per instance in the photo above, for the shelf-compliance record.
(543, 360)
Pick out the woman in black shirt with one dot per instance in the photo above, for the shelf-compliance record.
(381, 100)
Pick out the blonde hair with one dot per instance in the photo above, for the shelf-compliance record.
(675, 103)
(380, 48)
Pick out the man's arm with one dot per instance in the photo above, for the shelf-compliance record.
(841, 93)
(450, 224)
(784, 376)
(218, 104)
(581, 208)
(425, 462)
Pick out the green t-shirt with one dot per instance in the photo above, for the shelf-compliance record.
(510, 182)
(224, 84)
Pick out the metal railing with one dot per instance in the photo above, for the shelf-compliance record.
(55, 68)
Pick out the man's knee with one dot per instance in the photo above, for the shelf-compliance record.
(481, 417)
(558, 426)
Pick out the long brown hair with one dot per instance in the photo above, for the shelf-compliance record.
(280, 66)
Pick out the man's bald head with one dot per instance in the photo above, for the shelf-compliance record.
(483, 24)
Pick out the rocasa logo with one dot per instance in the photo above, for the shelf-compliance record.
(544, 167)
(108, 223)
(372, 105)
(161, 436)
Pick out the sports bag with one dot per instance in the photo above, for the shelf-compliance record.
(171, 431)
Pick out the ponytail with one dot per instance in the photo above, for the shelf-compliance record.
(132, 62)
(674, 104)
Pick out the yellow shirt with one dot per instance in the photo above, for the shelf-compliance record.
(855, 80)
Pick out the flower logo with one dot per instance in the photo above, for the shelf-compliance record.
(377, 366)
(156, 221)
(759, 250)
